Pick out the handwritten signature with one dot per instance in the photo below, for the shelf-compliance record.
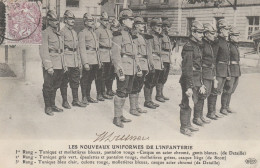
(110, 137)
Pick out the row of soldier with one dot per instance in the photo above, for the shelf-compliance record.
(138, 60)
(123, 50)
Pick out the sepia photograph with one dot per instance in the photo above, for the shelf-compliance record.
(123, 83)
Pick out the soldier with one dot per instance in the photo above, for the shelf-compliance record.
(123, 58)
(235, 73)
(88, 47)
(191, 79)
(71, 60)
(51, 52)
(143, 52)
(166, 59)
(222, 53)
(156, 63)
(208, 69)
(105, 42)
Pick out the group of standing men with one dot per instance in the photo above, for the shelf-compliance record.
(210, 67)
(124, 49)
(121, 49)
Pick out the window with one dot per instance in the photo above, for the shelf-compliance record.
(189, 23)
(253, 25)
(72, 3)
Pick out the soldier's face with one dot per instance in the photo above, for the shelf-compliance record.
(224, 32)
(166, 29)
(70, 21)
(90, 23)
(54, 23)
(198, 35)
(128, 22)
(157, 29)
(211, 36)
(140, 27)
(105, 23)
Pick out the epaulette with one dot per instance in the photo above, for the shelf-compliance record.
(148, 36)
(188, 47)
(117, 33)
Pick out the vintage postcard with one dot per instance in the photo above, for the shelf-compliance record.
(129, 83)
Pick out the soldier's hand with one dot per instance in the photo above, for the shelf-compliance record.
(86, 67)
(100, 65)
(139, 74)
(202, 89)
(122, 78)
(215, 83)
(50, 71)
(228, 78)
(189, 92)
(152, 68)
(80, 66)
(65, 69)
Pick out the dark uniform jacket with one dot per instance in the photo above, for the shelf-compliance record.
(234, 60)
(71, 47)
(144, 54)
(191, 64)
(88, 47)
(124, 53)
(166, 48)
(104, 36)
(222, 52)
(208, 61)
(156, 43)
(51, 50)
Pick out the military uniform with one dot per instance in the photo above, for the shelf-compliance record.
(166, 59)
(105, 43)
(235, 72)
(88, 47)
(51, 53)
(156, 67)
(124, 60)
(73, 62)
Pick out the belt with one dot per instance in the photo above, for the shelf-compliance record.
(168, 50)
(55, 51)
(142, 56)
(131, 56)
(222, 62)
(155, 53)
(208, 66)
(104, 47)
(70, 49)
(91, 49)
(234, 62)
(194, 69)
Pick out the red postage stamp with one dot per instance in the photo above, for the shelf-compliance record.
(23, 23)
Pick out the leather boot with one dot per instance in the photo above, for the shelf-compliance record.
(211, 112)
(158, 96)
(147, 96)
(65, 102)
(106, 96)
(165, 98)
(201, 113)
(185, 121)
(224, 99)
(91, 100)
(228, 103)
(125, 120)
(197, 113)
(137, 104)
(155, 104)
(100, 97)
(133, 110)
(109, 86)
(53, 106)
(118, 111)
(76, 101)
(85, 101)
(48, 111)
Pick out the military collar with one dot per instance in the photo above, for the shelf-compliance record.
(126, 28)
(207, 41)
(193, 40)
(69, 27)
(234, 43)
(223, 38)
(89, 28)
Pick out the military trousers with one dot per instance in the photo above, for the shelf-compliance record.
(125, 87)
(50, 86)
(164, 73)
(95, 73)
(229, 89)
(138, 83)
(108, 75)
(152, 78)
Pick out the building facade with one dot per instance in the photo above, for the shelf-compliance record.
(245, 14)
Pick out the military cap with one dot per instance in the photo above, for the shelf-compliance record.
(222, 23)
(104, 16)
(115, 23)
(87, 16)
(51, 15)
(209, 28)
(166, 23)
(139, 20)
(155, 22)
(68, 14)
(234, 31)
(126, 13)
(197, 26)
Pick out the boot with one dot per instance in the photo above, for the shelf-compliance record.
(185, 121)
(123, 119)
(201, 113)
(229, 110)
(158, 96)
(133, 110)
(91, 100)
(85, 101)
(65, 102)
(118, 111)
(48, 111)
(224, 99)
(165, 98)
(76, 101)
(84, 95)
(106, 96)
(197, 113)
(137, 104)
(147, 96)
(100, 97)
(109, 85)
(191, 128)
(54, 108)
(155, 104)
(211, 111)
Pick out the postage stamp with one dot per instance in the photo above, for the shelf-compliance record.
(23, 23)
